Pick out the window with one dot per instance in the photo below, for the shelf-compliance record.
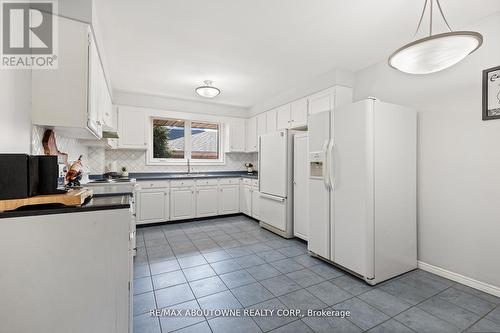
(175, 141)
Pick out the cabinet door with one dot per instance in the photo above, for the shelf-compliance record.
(182, 203)
(152, 206)
(261, 125)
(252, 134)
(300, 187)
(271, 120)
(283, 117)
(131, 128)
(322, 101)
(298, 112)
(255, 203)
(94, 88)
(246, 200)
(237, 135)
(206, 201)
(229, 196)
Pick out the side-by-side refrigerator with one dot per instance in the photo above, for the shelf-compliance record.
(362, 185)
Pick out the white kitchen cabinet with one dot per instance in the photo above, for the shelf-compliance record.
(152, 206)
(271, 120)
(246, 199)
(182, 203)
(298, 113)
(255, 203)
(236, 137)
(283, 117)
(261, 124)
(229, 196)
(300, 187)
(251, 135)
(329, 99)
(131, 128)
(206, 201)
(67, 99)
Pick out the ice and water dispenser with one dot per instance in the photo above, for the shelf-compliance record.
(316, 164)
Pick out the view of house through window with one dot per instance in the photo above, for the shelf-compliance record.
(184, 139)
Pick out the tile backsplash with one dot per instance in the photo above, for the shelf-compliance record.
(96, 159)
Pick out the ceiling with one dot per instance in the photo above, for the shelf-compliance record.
(253, 50)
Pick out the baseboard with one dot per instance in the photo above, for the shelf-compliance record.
(487, 288)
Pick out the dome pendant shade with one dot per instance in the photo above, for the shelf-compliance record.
(207, 91)
(435, 53)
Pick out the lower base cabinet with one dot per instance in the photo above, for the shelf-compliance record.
(246, 199)
(255, 203)
(229, 199)
(206, 201)
(152, 206)
(182, 203)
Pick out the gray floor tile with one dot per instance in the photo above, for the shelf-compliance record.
(252, 294)
(306, 260)
(270, 256)
(421, 321)
(331, 324)
(196, 328)
(391, 326)
(362, 315)
(229, 244)
(280, 285)
(467, 301)
(192, 261)
(478, 293)
(385, 302)
(405, 292)
(259, 247)
(485, 326)
(278, 243)
(352, 284)
(249, 261)
(292, 251)
(142, 285)
(226, 266)
(326, 270)
(267, 323)
(421, 281)
(294, 327)
(173, 295)
(240, 251)
(237, 278)
(303, 300)
(233, 324)
(305, 277)
(169, 279)
(164, 266)
(263, 272)
(286, 265)
(141, 270)
(494, 315)
(146, 324)
(143, 303)
(222, 300)
(216, 256)
(156, 242)
(208, 286)
(449, 312)
(329, 293)
(198, 272)
(169, 324)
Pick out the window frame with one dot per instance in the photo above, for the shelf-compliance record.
(151, 160)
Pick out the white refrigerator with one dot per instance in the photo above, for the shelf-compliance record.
(362, 185)
(276, 182)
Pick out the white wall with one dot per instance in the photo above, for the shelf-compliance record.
(15, 111)
(459, 158)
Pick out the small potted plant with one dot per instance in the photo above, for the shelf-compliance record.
(249, 167)
(124, 172)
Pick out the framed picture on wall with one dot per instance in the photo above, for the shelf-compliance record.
(491, 93)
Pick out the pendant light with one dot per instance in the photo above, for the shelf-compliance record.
(435, 52)
(207, 91)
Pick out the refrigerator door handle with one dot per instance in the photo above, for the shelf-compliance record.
(325, 164)
(272, 197)
(331, 170)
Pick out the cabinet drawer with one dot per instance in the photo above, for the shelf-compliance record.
(154, 184)
(207, 181)
(182, 183)
(229, 181)
(247, 181)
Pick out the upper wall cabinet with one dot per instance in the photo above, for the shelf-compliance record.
(283, 117)
(236, 135)
(73, 99)
(298, 113)
(271, 116)
(251, 135)
(131, 128)
(328, 99)
(261, 124)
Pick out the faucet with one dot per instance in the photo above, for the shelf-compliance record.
(189, 165)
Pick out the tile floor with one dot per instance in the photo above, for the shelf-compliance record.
(232, 263)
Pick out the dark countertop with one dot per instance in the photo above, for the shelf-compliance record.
(100, 202)
(181, 175)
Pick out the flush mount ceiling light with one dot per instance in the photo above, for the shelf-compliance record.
(435, 52)
(207, 91)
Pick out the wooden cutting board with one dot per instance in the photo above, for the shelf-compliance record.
(74, 197)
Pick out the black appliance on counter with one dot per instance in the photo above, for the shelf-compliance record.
(23, 176)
